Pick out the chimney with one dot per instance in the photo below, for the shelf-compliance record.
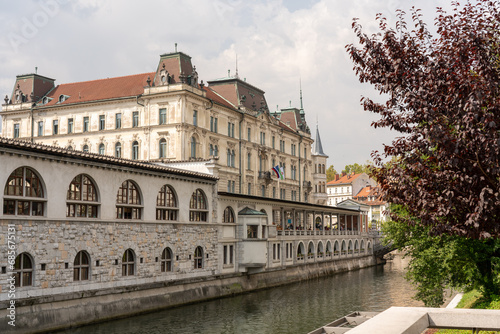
(337, 177)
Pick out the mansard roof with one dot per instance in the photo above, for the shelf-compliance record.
(96, 90)
(239, 93)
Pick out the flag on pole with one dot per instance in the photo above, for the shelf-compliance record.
(280, 174)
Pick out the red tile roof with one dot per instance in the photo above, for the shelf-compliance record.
(346, 179)
(102, 89)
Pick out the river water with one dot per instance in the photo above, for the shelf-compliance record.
(296, 308)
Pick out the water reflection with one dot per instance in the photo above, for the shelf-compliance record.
(295, 308)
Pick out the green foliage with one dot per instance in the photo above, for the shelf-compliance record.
(330, 173)
(357, 168)
(445, 261)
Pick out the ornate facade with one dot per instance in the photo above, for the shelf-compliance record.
(169, 116)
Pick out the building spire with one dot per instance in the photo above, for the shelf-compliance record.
(318, 148)
(300, 84)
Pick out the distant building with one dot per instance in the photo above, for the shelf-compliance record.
(378, 208)
(346, 186)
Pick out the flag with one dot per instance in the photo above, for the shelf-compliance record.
(280, 174)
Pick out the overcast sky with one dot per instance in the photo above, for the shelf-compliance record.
(278, 43)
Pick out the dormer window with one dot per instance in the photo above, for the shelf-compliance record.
(63, 98)
(46, 100)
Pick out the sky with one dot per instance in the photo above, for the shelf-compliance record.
(279, 45)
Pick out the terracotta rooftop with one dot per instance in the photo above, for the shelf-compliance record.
(345, 179)
(102, 89)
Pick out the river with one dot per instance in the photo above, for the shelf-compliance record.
(295, 308)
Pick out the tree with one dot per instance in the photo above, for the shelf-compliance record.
(446, 261)
(357, 168)
(443, 95)
(330, 173)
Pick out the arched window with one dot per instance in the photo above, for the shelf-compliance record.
(128, 263)
(310, 250)
(135, 150)
(193, 147)
(101, 148)
(118, 150)
(300, 251)
(163, 148)
(85, 148)
(198, 206)
(198, 258)
(228, 215)
(23, 270)
(70, 148)
(21, 190)
(128, 201)
(166, 260)
(81, 267)
(166, 204)
(82, 198)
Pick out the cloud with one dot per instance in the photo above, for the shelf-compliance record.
(277, 44)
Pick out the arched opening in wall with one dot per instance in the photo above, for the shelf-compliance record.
(310, 250)
(362, 246)
(166, 204)
(128, 201)
(328, 251)
(320, 249)
(81, 266)
(198, 258)
(344, 248)
(336, 248)
(101, 149)
(369, 247)
(128, 263)
(356, 246)
(349, 248)
(198, 210)
(228, 216)
(23, 193)
(300, 251)
(82, 198)
(166, 260)
(23, 270)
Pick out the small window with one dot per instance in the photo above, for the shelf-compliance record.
(163, 148)
(118, 150)
(86, 148)
(81, 267)
(135, 119)
(40, 129)
(55, 127)
(101, 148)
(70, 125)
(198, 258)
(193, 147)
(86, 124)
(252, 231)
(249, 134)
(228, 215)
(62, 98)
(23, 270)
(118, 121)
(16, 130)
(135, 150)
(163, 116)
(166, 260)
(195, 117)
(102, 122)
(128, 263)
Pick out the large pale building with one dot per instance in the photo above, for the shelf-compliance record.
(170, 117)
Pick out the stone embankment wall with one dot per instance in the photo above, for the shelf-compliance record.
(100, 305)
